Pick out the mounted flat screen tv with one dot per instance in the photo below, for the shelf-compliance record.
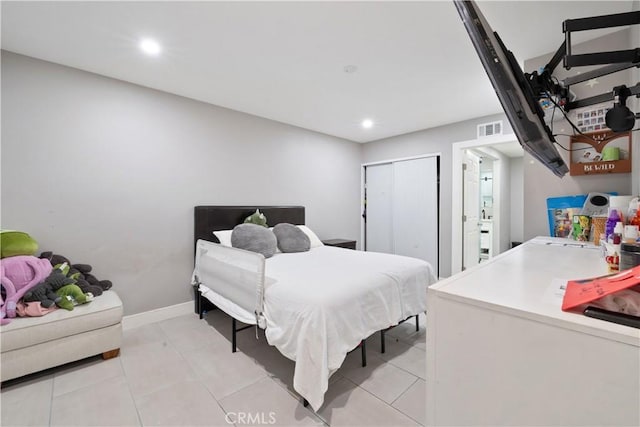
(513, 90)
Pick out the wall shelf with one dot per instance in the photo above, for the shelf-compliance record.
(589, 150)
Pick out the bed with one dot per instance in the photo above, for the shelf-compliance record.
(314, 306)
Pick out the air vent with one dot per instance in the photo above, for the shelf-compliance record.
(490, 129)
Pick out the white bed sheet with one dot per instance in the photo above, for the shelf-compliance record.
(320, 304)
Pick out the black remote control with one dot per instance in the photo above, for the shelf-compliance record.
(612, 316)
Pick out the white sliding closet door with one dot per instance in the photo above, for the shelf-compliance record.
(379, 236)
(415, 209)
(402, 208)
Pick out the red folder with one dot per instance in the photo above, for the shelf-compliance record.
(583, 291)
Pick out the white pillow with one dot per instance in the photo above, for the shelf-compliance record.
(224, 236)
(315, 241)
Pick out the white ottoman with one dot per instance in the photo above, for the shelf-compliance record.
(31, 344)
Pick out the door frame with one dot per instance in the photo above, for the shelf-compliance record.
(362, 194)
(456, 191)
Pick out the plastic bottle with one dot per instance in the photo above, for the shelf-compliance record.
(617, 233)
(612, 220)
(634, 216)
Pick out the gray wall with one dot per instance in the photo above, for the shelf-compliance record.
(539, 184)
(107, 173)
(434, 140)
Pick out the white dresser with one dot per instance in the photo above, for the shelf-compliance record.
(501, 352)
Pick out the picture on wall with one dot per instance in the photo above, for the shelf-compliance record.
(592, 118)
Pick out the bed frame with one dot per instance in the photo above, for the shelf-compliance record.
(208, 219)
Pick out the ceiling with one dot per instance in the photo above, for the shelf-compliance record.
(285, 61)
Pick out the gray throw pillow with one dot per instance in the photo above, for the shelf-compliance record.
(291, 238)
(254, 238)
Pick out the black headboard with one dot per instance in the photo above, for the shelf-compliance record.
(213, 218)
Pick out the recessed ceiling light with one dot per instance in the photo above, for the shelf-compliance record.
(367, 123)
(150, 47)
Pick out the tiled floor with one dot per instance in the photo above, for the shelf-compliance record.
(182, 372)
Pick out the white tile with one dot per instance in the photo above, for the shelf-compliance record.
(78, 375)
(153, 367)
(269, 358)
(222, 371)
(346, 404)
(187, 403)
(410, 358)
(412, 402)
(379, 378)
(268, 403)
(187, 333)
(106, 404)
(141, 337)
(27, 402)
(406, 332)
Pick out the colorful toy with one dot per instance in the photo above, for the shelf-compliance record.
(256, 218)
(18, 274)
(14, 243)
(81, 273)
(59, 289)
(71, 295)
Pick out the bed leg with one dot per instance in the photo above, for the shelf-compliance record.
(382, 341)
(417, 323)
(363, 349)
(233, 335)
(305, 402)
(200, 309)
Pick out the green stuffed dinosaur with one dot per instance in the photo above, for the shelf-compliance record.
(71, 295)
(256, 218)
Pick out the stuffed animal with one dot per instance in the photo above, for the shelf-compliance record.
(16, 243)
(79, 278)
(42, 293)
(80, 273)
(45, 292)
(18, 274)
(71, 295)
(256, 218)
(58, 288)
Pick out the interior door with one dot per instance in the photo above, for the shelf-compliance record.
(379, 187)
(470, 209)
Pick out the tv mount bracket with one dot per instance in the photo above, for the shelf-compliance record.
(614, 61)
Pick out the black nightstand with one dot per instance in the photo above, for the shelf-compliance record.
(341, 243)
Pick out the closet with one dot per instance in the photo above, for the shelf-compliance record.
(401, 208)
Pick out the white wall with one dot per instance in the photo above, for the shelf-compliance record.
(517, 200)
(539, 183)
(434, 140)
(107, 173)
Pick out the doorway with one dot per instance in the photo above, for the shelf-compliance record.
(470, 209)
(501, 149)
(401, 207)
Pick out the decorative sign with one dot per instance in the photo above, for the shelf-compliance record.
(600, 152)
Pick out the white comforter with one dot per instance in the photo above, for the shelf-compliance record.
(320, 304)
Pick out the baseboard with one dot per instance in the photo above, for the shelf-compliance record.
(152, 316)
